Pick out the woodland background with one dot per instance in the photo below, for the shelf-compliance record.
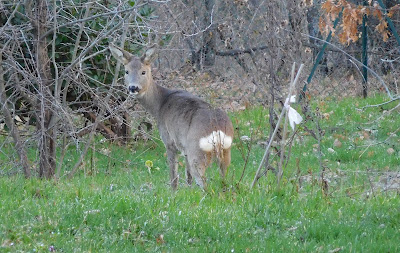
(60, 87)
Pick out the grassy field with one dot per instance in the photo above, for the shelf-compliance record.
(116, 205)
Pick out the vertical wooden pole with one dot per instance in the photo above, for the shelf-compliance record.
(365, 54)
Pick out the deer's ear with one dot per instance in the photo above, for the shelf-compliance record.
(149, 55)
(120, 54)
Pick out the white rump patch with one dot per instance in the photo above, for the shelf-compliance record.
(215, 139)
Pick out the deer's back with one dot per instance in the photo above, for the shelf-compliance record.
(186, 117)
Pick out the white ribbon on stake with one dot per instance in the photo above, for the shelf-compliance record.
(293, 115)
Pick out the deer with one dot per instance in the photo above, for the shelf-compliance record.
(186, 123)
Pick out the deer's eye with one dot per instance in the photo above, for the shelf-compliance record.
(126, 72)
(143, 72)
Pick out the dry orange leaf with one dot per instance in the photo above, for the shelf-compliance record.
(393, 10)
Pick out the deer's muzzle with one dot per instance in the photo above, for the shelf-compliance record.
(133, 89)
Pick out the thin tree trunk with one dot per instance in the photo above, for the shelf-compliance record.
(209, 38)
(126, 129)
(10, 124)
(47, 135)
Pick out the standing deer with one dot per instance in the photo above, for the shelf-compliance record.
(185, 122)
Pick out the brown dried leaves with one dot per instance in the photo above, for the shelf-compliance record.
(352, 16)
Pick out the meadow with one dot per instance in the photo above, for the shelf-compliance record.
(339, 196)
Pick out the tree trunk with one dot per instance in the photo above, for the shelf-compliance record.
(203, 51)
(209, 39)
(44, 112)
(313, 21)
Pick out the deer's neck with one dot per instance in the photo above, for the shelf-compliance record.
(153, 99)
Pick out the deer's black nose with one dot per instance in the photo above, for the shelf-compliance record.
(133, 89)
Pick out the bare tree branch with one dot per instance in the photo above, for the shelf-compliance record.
(10, 124)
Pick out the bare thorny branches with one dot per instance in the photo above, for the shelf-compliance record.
(51, 74)
(58, 83)
(54, 69)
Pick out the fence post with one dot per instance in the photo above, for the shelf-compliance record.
(390, 23)
(364, 53)
(319, 56)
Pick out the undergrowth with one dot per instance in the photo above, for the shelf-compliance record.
(328, 202)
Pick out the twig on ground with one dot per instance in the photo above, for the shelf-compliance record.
(377, 105)
(378, 143)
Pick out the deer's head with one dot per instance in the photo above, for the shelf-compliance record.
(138, 76)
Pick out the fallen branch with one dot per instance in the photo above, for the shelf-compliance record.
(106, 131)
(234, 52)
(377, 105)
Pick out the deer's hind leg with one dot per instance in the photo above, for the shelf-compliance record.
(189, 178)
(172, 154)
(197, 163)
(224, 162)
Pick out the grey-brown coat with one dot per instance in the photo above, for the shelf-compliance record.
(185, 122)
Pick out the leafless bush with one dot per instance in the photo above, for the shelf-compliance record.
(59, 86)
(54, 75)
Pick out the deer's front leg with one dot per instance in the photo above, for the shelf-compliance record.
(189, 178)
(172, 154)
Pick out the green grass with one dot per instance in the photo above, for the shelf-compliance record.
(115, 205)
